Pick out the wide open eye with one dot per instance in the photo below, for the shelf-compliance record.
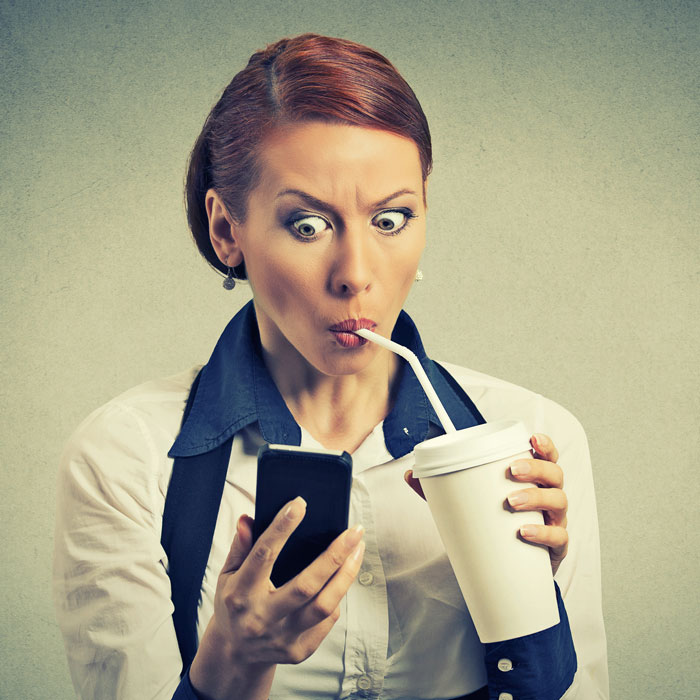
(308, 226)
(394, 220)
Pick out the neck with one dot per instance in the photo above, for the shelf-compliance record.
(338, 411)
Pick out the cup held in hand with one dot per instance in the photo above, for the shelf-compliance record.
(506, 582)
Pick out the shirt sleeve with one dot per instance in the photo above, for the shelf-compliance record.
(569, 660)
(539, 666)
(579, 575)
(185, 691)
(110, 585)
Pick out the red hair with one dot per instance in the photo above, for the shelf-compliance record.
(304, 78)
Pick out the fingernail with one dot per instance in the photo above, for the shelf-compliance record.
(358, 552)
(520, 467)
(517, 499)
(539, 439)
(353, 536)
(528, 530)
(295, 508)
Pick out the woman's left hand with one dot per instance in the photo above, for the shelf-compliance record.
(547, 496)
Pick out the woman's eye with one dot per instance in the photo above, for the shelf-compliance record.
(308, 226)
(390, 222)
(394, 221)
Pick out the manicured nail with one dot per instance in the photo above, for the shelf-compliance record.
(517, 499)
(358, 552)
(520, 467)
(353, 536)
(295, 508)
(528, 530)
(540, 439)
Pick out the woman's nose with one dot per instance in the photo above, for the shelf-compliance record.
(352, 265)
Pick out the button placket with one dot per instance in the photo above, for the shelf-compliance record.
(366, 605)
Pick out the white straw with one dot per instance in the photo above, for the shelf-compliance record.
(412, 360)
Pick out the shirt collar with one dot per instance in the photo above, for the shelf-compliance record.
(235, 389)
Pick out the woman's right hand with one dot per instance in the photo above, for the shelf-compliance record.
(255, 626)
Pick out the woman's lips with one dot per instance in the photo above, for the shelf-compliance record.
(343, 331)
(354, 324)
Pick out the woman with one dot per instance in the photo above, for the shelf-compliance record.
(309, 180)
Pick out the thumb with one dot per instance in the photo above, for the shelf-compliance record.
(241, 545)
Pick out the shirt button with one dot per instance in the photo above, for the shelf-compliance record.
(505, 696)
(365, 683)
(505, 665)
(366, 578)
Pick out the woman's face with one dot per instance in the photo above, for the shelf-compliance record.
(335, 231)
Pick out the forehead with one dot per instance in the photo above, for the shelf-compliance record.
(334, 159)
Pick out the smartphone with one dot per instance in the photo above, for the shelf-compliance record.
(323, 479)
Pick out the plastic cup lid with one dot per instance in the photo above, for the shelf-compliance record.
(470, 447)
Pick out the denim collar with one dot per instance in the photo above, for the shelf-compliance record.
(235, 389)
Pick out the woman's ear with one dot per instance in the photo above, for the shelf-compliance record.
(222, 230)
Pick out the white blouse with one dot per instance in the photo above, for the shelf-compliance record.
(404, 630)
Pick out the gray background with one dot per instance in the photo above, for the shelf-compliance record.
(562, 255)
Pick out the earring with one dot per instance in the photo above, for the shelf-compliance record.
(230, 281)
(419, 275)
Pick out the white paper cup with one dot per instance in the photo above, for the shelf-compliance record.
(506, 582)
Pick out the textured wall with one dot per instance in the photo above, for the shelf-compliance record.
(563, 255)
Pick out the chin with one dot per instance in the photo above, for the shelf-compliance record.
(345, 362)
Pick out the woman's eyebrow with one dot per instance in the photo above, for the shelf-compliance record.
(320, 204)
